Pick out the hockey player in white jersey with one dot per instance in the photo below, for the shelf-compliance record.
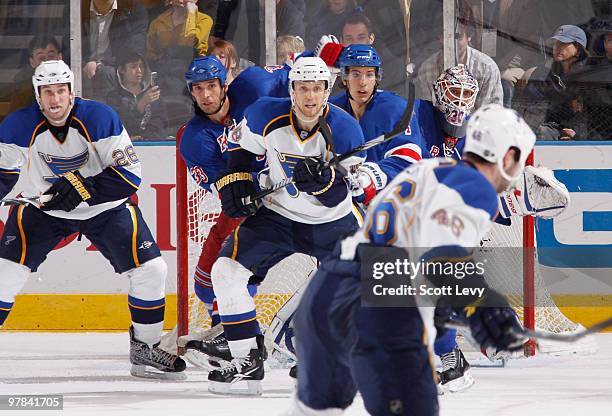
(78, 155)
(437, 208)
(308, 216)
(443, 123)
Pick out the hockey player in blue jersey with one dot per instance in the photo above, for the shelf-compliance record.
(378, 112)
(383, 351)
(205, 148)
(308, 216)
(78, 155)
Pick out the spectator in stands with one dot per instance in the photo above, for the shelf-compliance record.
(357, 29)
(181, 25)
(482, 67)
(603, 46)
(290, 18)
(137, 100)
(553, 84)
(287, 47)
(108, 27)
(226, 52)
(41, 48)
(239, 21)
(329, 20)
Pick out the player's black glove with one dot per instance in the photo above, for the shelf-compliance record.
(310, 176)
(495, 324)
(233, 187)
(68, 191)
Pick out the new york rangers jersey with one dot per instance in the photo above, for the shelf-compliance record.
(435, 203)
(381, 115)
(268, 81)
(269, 128)
(94, 142)
(438, 143)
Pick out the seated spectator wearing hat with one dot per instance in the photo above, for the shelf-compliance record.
(551, 86)
(137, 102)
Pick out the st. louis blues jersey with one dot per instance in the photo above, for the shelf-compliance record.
(204, 145)
(438, 143)
(435, 203)
(381, 115)
(94, 142)
(269, 129)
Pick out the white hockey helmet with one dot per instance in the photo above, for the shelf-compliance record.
(49, 73)
(454, 94)
(310, 68)
(492, 130)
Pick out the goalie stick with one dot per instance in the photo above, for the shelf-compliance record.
(400, 128)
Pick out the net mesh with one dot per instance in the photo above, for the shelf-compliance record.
(548, 317)
(286, 277)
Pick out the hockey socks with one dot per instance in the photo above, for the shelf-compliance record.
(147, 318)
(5, 309)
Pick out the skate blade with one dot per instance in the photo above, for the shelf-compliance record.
(201, 360)
(144, 371)
(253, 388)
(460, 384)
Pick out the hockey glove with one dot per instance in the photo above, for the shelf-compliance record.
(538, 193)
(233, 187)
(495, 324)
(365, 181)
(311, 176)
(68, 191)
(328, 49)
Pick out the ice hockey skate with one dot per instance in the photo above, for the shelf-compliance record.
(153, 362)
(214, 350)
(455, 375)
(249, 369)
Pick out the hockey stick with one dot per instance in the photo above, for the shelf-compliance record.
(400, 128)
(23, 200)
(544, 336)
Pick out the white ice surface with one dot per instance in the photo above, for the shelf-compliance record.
(92, 372)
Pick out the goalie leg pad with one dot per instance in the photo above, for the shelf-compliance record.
(13, 278)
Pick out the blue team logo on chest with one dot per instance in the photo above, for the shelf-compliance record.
(288, 162)
(60, 165)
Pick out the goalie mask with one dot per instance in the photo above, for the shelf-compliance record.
(310, 69)
(454, 94)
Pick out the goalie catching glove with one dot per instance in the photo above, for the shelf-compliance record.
(68, 191)
(234, 187)
(494, 323)
(538, 193)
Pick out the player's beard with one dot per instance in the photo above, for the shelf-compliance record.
(221, 102)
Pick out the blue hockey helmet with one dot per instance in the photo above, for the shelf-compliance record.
(205, 68)
(359, 55)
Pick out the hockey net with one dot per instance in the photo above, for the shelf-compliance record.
(198, 210)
